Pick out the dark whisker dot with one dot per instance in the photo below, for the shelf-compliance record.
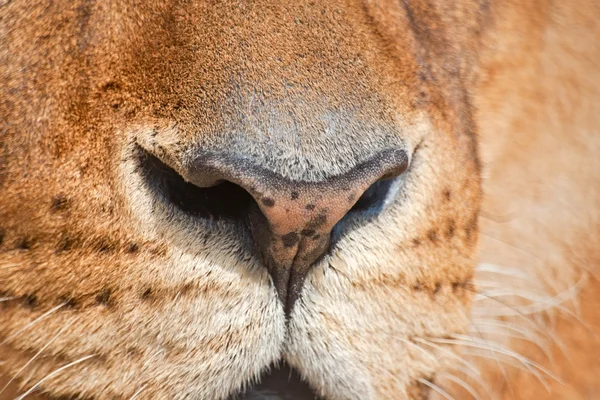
(103, 298)
(450, 229)
(310, 207)
(432, 235)
(437, 288)
(418, 286)
(146, 294)
(294, 195)
(447, 194)
(2, 235)
(104, 246)
(59, 203)
(455, 286)
(68, 301)
(64, 244)
(30, 300)
(132, 248)
(416, 242)
(23, 244)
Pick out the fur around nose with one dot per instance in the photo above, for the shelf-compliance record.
(291, 222)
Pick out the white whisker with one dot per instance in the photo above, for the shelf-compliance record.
(8, 298)
(470, 370)
(494, 347)
(14, 376)
(500, 367)
(539, 303)
(544, 330)
(435, 388)
(522, 250)
(449, 353)
(536, 340)
(477, 378)
(54, 373)
(136, 394)
(35, 321)
(504, 270)
(462, 384)
(510, 362)
(422, 350)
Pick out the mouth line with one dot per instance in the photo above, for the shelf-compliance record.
(279, 383)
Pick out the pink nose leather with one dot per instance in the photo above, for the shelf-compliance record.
(292, 221)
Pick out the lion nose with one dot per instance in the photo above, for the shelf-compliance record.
(291, 221)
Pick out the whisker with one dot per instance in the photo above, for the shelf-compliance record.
(136, 394)
(552, 302)
(477, 378)
(529, 253)
(448, 353)
(510, 362)
(503, 270)
(8, 298)
(470, 370)
(422, 350)
(462, 384)
(499, 219)
(527, 319)
(435, 388)
(494, 347)
(524, 334)
(35, 356)
(52, 374)
(500, 366)
(35, 321)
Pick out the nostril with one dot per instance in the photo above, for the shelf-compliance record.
(225, 200)
(374, 197)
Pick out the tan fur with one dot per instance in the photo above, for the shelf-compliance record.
(166, 308)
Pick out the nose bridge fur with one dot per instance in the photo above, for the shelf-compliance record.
(301, 87)
(304, 141)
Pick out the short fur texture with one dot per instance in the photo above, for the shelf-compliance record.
(107, 291)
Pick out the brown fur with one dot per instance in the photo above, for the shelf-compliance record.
(167, 308)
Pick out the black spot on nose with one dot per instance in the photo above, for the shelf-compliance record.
(290, 239)
(269, 202)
